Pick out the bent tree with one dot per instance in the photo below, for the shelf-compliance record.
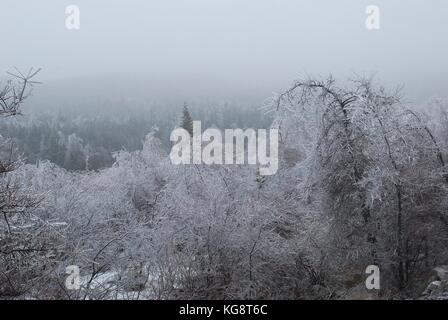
(375, 160)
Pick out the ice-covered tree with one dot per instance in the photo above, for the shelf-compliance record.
(186, 121)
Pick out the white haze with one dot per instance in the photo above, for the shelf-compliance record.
(219, 49)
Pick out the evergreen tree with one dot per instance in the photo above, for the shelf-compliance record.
(187, 121)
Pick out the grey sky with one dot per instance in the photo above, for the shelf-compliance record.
(263, 43)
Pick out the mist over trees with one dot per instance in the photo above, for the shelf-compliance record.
(362, 180)
(86, 141)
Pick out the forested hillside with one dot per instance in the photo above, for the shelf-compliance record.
(362, 181)
(88, 140)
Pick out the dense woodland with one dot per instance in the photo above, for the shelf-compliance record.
(86, 141)
(362, 181)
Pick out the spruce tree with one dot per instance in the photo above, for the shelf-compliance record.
(187, 121)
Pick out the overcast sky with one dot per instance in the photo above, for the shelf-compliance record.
(252, 42)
